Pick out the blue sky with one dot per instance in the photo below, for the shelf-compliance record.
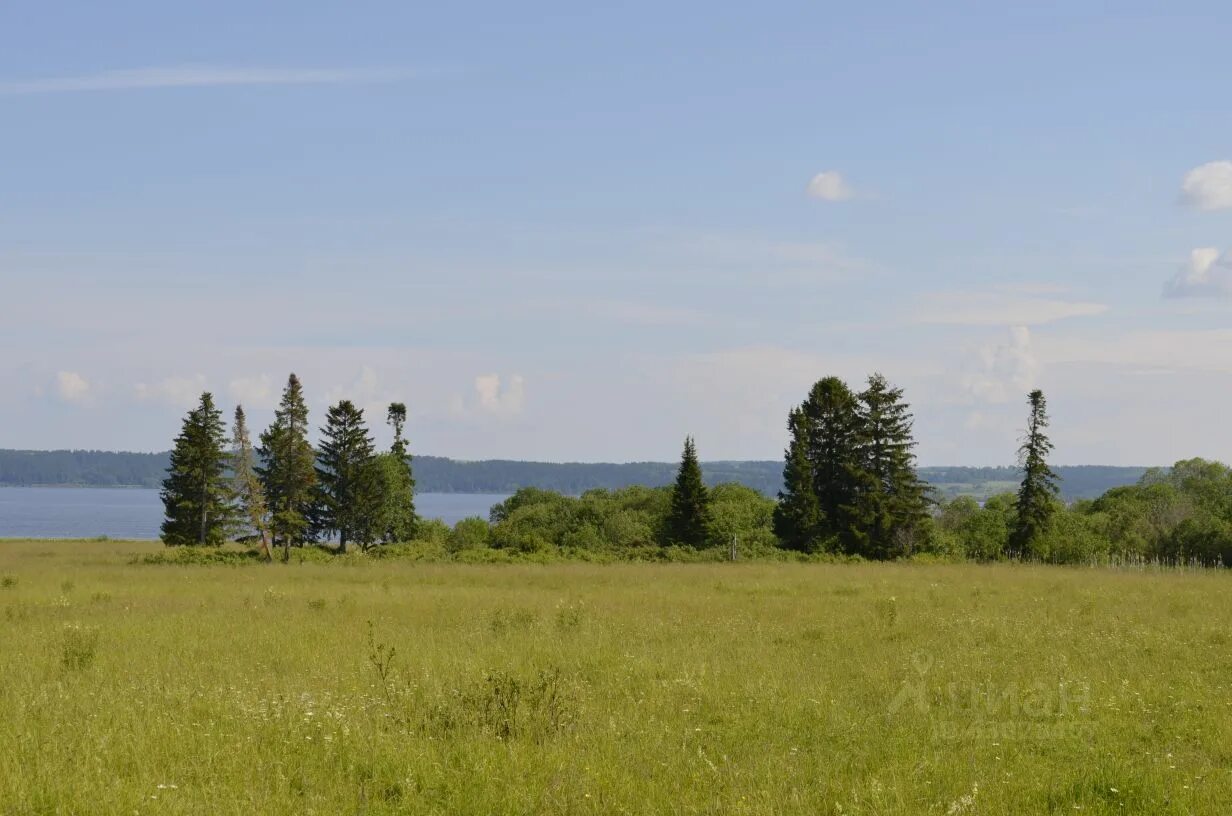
(562, 232)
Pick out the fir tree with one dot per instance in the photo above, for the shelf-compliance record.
(287, 473)
(688, 520)
(196, 496)
(246, 486)
(833, 451)
(397, 519)
(349, 493)
(1037, 496)
(890, 500)
(798, 518)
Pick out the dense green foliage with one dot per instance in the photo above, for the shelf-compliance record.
(891, 503)
(1037, 495)
(1182, 515)
(196, 493)
(349, 483)
(849, 479)
(628, 523)
(852, 491)
(287, 472)
(688, 515)
(396, 513)
(343, 490)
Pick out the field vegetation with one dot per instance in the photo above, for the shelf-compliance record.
(371, 685)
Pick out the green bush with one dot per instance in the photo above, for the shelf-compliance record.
(469, 534)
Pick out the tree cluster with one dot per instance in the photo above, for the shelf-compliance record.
(849, 479)
(284, 492)
(851, 489)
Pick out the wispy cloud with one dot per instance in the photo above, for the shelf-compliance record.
(197, 76)
(1006, 306)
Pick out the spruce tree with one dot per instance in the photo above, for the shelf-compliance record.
(246, 486)
(688, 520)
(1037, 495)
(349, 486)
(891, 501)
(797, 517)
(287, 473)
(833, 451)
(196, 495)
(397, 519)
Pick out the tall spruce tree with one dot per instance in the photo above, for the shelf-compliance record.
(833, 450)
(798, 517)
(891, 502)
(349, 494)
(397, 520)
(287, 470)
(251, 508)
(196, 494)
(688, 519)
(1037, 495)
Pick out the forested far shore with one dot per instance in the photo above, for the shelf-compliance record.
(438, 474)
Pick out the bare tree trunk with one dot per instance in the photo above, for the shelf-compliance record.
(265, 547)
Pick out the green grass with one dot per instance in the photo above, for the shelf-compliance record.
(397, 687)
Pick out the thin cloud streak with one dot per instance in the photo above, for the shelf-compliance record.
(199, 76)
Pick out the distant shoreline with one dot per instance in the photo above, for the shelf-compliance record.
(437, 474)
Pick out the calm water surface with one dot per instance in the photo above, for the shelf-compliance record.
(85, 512)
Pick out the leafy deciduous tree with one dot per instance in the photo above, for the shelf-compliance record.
(396, 515)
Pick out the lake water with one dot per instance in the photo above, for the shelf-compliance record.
(86, 512)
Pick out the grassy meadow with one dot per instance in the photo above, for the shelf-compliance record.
(395, 687)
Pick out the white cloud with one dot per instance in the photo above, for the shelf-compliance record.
(72, 387)
(1208, 187)
(195, 77)
(830, 186)
(499, 399)
(180, 392)
(1206, 274)
(1004, 371)
(1021, 306)
(253, 392)
(366, 392)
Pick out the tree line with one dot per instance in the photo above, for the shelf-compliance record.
(284, 492)
(850, 489)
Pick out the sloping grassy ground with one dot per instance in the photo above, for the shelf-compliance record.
(726, 688)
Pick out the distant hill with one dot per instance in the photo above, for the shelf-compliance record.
(1077, 481)
(436, 474)
(82, 468)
